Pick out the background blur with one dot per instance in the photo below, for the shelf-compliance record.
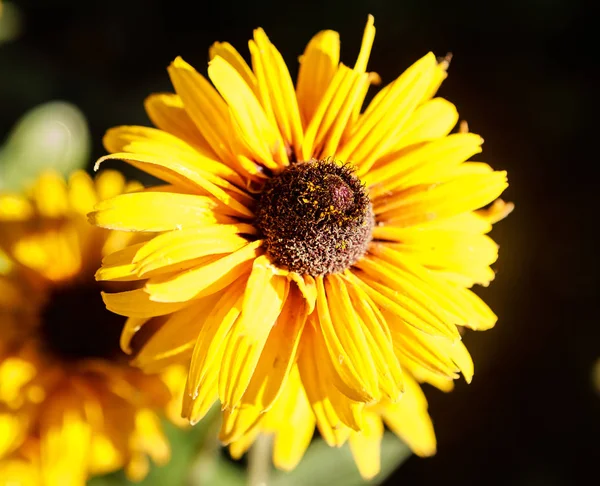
(524, 75)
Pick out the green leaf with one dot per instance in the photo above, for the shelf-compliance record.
(323, 465)
(54, 135)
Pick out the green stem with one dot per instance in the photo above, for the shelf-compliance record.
(205, 461)
(259, 461)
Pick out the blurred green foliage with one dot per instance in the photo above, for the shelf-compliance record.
(50, 136)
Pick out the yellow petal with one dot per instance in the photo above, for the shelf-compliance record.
(317, 67)
(204, 106)
(433, 201)
(130, 328)
(149, 435)
(422, 351)
(177, 250)
(239, 447)
(263, 301)
(463, 307)
(197, 406)
(153, 142)
(444, 252)
(260, 137)
(105, 456)
(372, 79)
(138, 466)
(195, 181)
(355, 84)
(409, 420)
(333, 422)
(366, 45)
(208, 349)
(276, 84)
(471, 223)
(409, 305)
(379, 341)
(278, 355)
(425, 376)
(19, 472)
(137, 303)
(422, 296)
(308, 288)
(205, 279)
(65, 438)
(117, 240)
(326, 384)
(366, 446)
(440, 74)
(293, 423)
(50, 195)
(156, 212)
(496, 212)
(433, 119)
(412, 165)
(330, 119)
(370, 339)
(15, 373)
(238, 422)
(14, 207)
(55, 254)
(13, 429)
(109, 183)
(119, 266)
(226, 51)
(345, 341)
(175, 339)
(82, 192)
(461, 357)
(167, 112)
(378, 128)
(245, 163)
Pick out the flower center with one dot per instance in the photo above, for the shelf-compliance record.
(316, 218)
(75, 324)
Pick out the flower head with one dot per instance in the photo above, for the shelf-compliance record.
(70, 404)
(302, 242)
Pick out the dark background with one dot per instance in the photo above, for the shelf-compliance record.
(523, 75)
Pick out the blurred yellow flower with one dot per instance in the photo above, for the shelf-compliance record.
(70, 405)
(300, 235)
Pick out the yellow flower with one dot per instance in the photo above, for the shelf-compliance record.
(70, 405)
(297, 228)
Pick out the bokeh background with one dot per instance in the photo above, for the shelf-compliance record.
(524, 75)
